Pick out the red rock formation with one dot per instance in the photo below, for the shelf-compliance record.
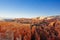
(32, 30)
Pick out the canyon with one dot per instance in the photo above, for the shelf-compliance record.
(39, 28)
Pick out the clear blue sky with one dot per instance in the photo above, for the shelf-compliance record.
(29, 8)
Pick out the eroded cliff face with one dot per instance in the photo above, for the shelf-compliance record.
(30, 29)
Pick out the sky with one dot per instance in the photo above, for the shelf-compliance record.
(29, 8)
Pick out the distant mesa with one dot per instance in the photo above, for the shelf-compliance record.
(38, 18)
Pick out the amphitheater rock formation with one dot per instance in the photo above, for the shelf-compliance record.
(30, 29)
